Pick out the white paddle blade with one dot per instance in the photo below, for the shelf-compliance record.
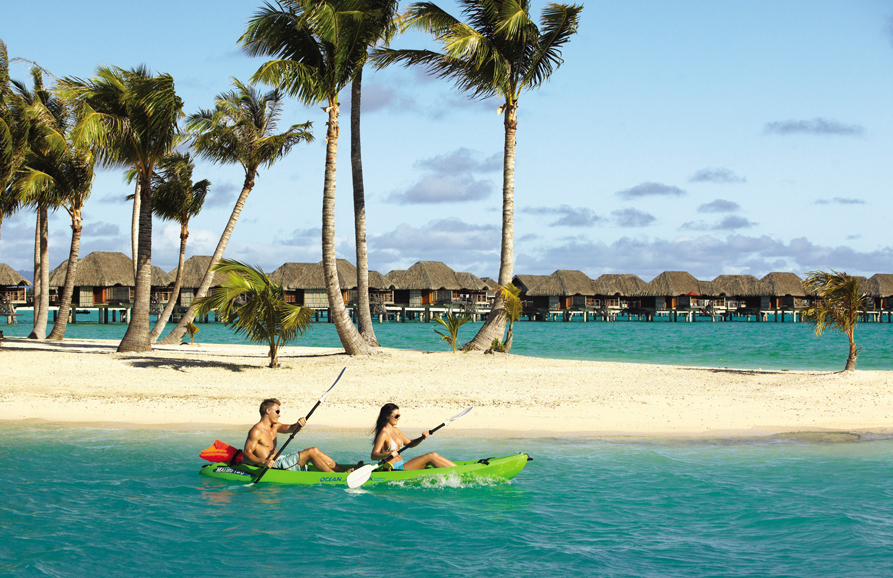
(360, 476)
(458, 415)
(323, 398)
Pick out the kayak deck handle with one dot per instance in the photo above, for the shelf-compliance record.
(485, 461)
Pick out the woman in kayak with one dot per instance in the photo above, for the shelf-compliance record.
(389, 439)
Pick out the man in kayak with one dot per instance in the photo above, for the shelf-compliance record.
(260, 447)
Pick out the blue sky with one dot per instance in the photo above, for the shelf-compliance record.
(711, 137)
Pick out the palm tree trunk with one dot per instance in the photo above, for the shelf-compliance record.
(364, 315)
(58, 332)
(136, 339)
(172, 302)
(179, 331)
(135, 226)
(274, 356)
(508, 340)
(40, 320)
(494, 327)
(35, 289)
(851, 359)
(353, 343)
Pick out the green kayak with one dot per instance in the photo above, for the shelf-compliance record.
(504, 468)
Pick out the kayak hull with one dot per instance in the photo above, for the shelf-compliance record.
(499, 469)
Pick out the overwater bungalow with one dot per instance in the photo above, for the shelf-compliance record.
(194, 269)
(738, 294)
(678, 291)
(106, 279)
(613, 292)
(305, 283)
(784, 291)
(492, 288)
(880, 288)
(434, 283)
(288, 276)
(568, 291)
(12, 286)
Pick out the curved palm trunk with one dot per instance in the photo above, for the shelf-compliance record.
(851, 359)
(136, 339)
(494, 327)
(353, 343)
(172, 302)
(35, 289)
(58, 332)
(364, 315)
(135, 226)
(40, 319)
(179, 331)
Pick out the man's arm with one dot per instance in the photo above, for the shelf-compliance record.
(252, 448)
(293, 427)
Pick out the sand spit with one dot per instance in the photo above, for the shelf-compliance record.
(87, 382)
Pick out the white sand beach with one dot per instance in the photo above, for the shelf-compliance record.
(87, 382)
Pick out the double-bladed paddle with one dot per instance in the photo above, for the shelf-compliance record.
(297, 429)
(361, 475)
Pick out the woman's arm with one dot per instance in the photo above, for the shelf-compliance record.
(378, 448)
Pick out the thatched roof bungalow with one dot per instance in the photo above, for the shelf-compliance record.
(432, 282)
(784, 290)
(12, 285)
(563, 289)
(194, 269)
(677, 290)
(740, 291)
(106, 278)
(612, 289)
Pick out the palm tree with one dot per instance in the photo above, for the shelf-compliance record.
(132, 118)
(499, 52)
(176, 198)
(381, 31)
(14, 129)
(840, 301)
(318, 47)
(43, 112)
(57, 172)
(255, 306)
(240, 130)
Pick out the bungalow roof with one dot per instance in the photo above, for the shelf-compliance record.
(880, 285)
(624, 284)
(674, 283)
(105, 269)
(427, 275)
(9, 277)
(738, 285)
(781, 283)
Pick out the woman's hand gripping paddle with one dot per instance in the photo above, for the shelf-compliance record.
(297, 429)
(361, 475)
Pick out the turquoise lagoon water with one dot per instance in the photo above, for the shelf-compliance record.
(108, 502)
(738, 344)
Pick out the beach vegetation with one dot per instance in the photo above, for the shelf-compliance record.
(840, 301)
(317, 49)
(131, 116)
(498, 51)
(452, 325)
(511, 296)
(241, 129)
(192, 329)
(247, 300)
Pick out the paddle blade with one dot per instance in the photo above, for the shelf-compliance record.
(458, 415)
(360, 476)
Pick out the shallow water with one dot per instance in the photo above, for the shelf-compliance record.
(738, 344)
(107, 502)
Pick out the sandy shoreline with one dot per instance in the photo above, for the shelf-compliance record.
(182, 387)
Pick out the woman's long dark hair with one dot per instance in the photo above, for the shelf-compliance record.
(386, 411)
